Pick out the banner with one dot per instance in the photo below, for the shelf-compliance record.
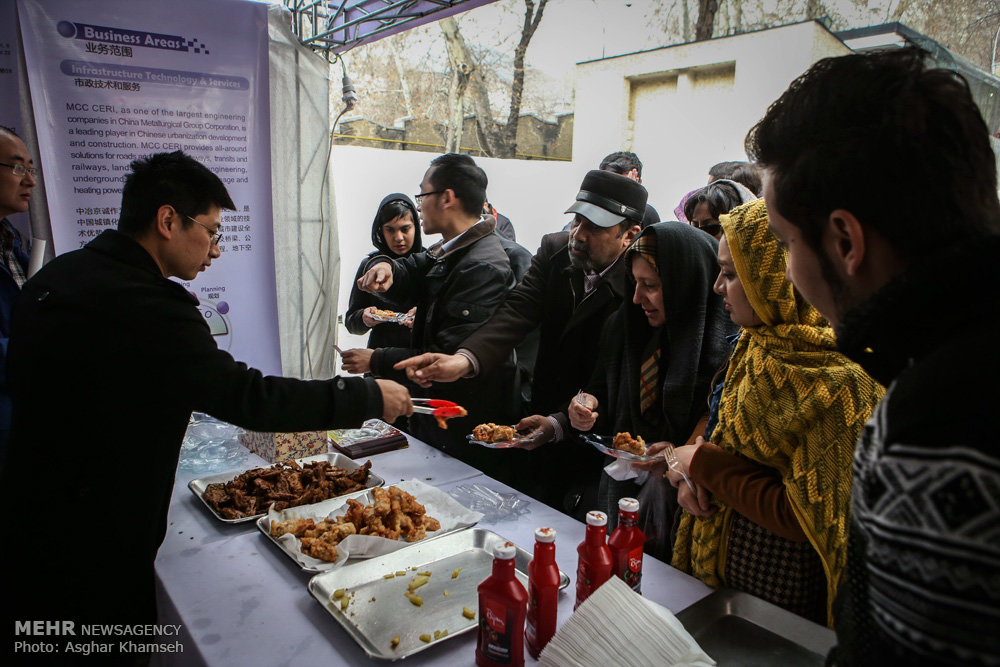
(115, 80)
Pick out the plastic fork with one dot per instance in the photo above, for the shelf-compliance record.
(674, 464)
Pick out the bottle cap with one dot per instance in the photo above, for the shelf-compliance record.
(628, 505)
(545, 535)
(505, 551)
(597, 519)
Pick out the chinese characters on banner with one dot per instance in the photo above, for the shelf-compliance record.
(111, 84)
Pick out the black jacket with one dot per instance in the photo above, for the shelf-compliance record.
(692, 343)
(107, 360)
(387, 334)
(924, 552)
(455, 292)
(551, 298)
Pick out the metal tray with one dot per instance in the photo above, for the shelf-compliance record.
(379, 610)
(365, 498)
(336, 459)
(739, 629)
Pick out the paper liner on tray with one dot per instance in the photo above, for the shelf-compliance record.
(438, 504)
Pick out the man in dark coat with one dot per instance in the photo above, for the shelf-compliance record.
(108, 358)
(17, 178)
(909, 284)
(575, 282)
(457, 284)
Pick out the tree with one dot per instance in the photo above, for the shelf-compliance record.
(706, 19)
(498, 140)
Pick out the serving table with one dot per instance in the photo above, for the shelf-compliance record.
(241, 601)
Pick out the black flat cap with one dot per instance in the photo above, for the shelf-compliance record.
(607, 198)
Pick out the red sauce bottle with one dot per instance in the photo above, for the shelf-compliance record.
(502, 604)
(595, 564)
(543, 592)
(626, 544)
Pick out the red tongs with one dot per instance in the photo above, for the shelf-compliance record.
(438, 407)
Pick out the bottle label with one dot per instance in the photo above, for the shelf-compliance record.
(494, 640)
(633, 569)
(530, 629)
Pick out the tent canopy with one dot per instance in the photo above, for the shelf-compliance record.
(335, 26)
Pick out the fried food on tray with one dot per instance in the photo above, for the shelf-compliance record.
(393, 514)
(286, 485)
(450, 413)
(378, 312)
(493, 433)
(626, 443)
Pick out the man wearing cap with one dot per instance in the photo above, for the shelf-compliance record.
(574, 284)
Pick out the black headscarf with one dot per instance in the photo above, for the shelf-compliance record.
(382, 216)
(692, 341)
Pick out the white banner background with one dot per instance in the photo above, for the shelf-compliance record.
(110, 84)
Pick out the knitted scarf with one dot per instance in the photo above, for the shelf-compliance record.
(791, 402)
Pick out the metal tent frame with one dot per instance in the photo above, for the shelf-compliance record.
(335, 26)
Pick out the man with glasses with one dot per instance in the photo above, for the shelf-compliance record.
(108, 358)
(456, 283)
(17, 178)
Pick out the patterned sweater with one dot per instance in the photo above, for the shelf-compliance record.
(923, 582)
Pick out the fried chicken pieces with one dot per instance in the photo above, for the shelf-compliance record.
(626, 443)
(393, 514)
(443, 414)
(493, 433)
(286, 485)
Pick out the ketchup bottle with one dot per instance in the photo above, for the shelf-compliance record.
(502, 603)
(626, 544)
(543, 592)
(595, 564)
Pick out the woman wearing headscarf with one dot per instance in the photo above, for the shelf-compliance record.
(659, 352)
(395, 233)
(778, 467)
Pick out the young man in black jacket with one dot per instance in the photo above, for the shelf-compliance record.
(457, 284)
(881, 182)
(108, 358)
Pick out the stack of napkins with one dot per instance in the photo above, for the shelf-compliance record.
(617, 626)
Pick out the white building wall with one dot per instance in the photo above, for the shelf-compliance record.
(684, 108)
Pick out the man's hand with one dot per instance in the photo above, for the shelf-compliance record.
(396, 401)
(367, 319)
(698, 505)
(411, 317)
(357, 361)
(539, 423)
(435, 367)
(376, 279)
(581, 411)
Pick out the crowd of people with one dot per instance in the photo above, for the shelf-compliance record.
(806, 346)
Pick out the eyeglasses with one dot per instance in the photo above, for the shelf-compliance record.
(420, 197)
(21, 170)
(214, 234)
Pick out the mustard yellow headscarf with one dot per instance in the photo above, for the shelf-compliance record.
(790, 402)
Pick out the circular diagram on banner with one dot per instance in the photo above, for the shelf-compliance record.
(218, 323)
